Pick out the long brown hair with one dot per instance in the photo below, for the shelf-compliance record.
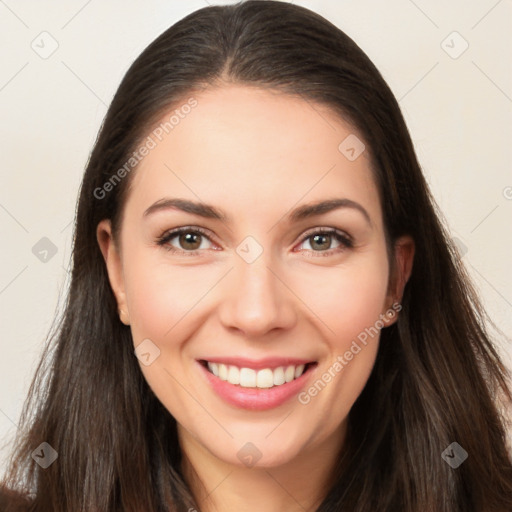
(437, 377)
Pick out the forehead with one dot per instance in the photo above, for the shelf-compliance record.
(253, 148)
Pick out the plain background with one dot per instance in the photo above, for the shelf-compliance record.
(457, 103)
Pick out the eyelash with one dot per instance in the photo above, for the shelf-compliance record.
(345, 240)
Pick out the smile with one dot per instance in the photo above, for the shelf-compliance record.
(266, 385)
(250, 378)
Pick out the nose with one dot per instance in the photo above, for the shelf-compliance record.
(256, 299)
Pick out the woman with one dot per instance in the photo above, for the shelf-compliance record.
(265, 311)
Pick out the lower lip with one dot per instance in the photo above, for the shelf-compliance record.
(256, 399)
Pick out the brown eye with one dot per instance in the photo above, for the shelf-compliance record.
(188, 240)
(321, 241)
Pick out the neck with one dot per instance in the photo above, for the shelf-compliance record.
(299, 485)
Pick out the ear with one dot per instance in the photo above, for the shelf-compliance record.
(404, 256)
(114, 267)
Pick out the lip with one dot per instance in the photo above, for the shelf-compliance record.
(256, 399)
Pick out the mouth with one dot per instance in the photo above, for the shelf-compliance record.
(260, 378)
(267, 385)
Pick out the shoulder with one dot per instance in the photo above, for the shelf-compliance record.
(12, 501)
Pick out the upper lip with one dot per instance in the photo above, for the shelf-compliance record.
(258, 364)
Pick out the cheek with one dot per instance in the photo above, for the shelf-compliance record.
(349, 305)
(361, 301)
(160, 295)
(163, 300)
(347, 299)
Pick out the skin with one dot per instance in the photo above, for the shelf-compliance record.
(255, 154)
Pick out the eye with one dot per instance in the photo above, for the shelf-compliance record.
(189, 238)
(320, 240)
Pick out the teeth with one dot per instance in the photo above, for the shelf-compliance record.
(289, 373)
(265, 378)
(249, 378)
(223, 372)
(214, 368)
(279, 376)
(233, 375)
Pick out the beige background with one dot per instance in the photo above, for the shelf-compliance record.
(458, 106)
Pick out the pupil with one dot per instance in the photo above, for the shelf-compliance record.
(190, 238)
(316, 237)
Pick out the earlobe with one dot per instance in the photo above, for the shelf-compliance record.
(404, 257)
(114, 267)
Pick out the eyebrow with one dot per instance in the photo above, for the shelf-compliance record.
(300, 213)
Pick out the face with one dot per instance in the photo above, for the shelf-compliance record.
(256, 282)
